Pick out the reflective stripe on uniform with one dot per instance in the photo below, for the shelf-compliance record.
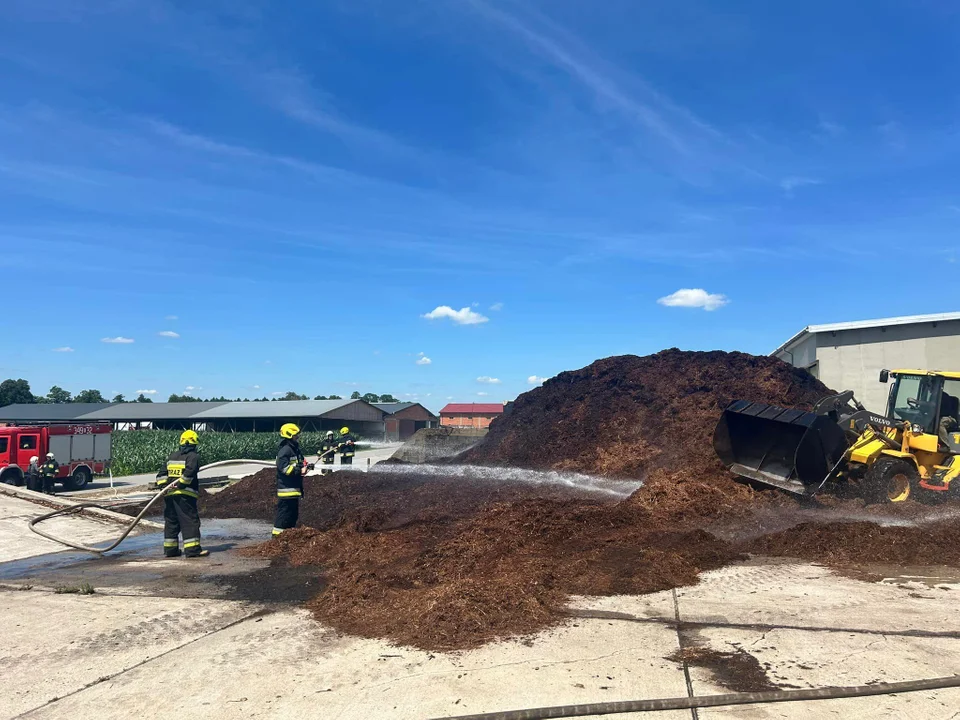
(277, 531)
(192, 542)
(186, 491)
(290, 468)
(171, 543)
(289, 493)
(175, 468)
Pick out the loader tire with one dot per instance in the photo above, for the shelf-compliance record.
(890, 480)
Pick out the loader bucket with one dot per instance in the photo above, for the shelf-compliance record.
(793, 450)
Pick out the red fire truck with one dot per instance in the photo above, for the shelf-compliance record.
(82, 451)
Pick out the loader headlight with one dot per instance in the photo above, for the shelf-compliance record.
(916, 429)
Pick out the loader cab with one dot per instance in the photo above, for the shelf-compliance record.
(922, 398)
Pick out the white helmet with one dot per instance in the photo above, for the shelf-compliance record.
(34, 459)
(50, 455)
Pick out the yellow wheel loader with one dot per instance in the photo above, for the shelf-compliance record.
(915, 447)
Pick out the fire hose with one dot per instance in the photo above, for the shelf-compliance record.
(80, 507)
(706, 701)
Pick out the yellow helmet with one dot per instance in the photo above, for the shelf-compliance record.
(189, 437)
(344, 430)
(289, 430)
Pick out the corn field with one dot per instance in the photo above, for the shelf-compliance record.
(143, 451)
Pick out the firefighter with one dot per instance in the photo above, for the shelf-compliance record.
(33, 475)
(291, 467)
(49, 472)
(180, 514)
(346, 447)
(328, 452)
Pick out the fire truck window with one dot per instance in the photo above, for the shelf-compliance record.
(28, 442)
(4, 444)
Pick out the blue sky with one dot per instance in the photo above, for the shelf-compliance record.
(300, 185)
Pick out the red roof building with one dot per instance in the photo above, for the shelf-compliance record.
(470, 415)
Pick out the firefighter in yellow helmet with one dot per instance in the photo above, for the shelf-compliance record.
(180, 513)
(291, 467)
(346, 446)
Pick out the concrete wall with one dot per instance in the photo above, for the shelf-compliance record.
(803, 354)
(852, 359)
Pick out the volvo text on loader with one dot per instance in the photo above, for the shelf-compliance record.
(914, 447)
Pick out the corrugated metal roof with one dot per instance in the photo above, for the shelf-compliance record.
(276, 409)
(864, 324)
(391, 408)
(477, 408)
(49, 412)
(144, 412)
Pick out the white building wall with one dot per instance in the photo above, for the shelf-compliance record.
(852, 359)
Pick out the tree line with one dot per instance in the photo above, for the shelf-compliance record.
(18, 391)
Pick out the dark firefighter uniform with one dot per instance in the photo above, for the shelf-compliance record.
(180, 514)
(328, 453)
(49, 472)
(290, 470)
(346, 447)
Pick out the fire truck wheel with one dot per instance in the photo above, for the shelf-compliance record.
(11, 477)
(81, 476)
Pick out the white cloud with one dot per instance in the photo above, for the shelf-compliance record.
(171, 317)
(789, 184)
(119, 340)
(483, 394)
(146, 392)
(496, 307)
(694, 298)
(168, 334)
(463, 316)
(449, 397)
(488, 380)
(535, 380)
(256, 387)
(65, 348)
(191, 387)
(424, 360)
(278, 394)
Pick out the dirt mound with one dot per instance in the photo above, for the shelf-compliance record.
(626, 416)
(841, 545)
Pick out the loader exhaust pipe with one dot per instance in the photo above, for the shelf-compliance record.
(793, 450)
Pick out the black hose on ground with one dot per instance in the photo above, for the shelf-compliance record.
(707, 701)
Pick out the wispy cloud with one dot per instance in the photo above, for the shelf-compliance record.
(119, 340)
(171, 317)
(191, 388)
(535, 380)
(168, 334)
(483, 394)
(146, 392)
(422, 359)
(463, 316)
(256, 387)
(497, 307)
(694, 298)
(645, 106)
(487, 380)
(792, 182)
(65, 348)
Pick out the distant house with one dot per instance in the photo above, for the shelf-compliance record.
(470, 415)
(403, 419)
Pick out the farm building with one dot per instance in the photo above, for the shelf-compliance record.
(361, 417)
(850, 355)
(472, 415)
(403, 419)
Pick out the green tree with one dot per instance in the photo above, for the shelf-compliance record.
(291, 395)
(388, 398)
(334, 397)
(119, 398)
(15, 391)
(370, 397)
(58, 395)
(141, 398)
(89, 396)
(321, 397)
(355, 395)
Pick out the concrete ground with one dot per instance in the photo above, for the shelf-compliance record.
(225, 637)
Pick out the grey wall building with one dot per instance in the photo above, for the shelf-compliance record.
(850, 355)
